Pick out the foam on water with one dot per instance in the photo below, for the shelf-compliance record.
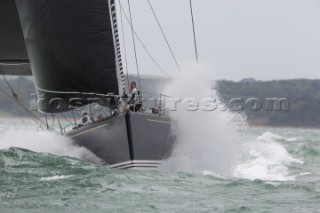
(268, 136)
(265, 159)
(56, 177)
(44, 142)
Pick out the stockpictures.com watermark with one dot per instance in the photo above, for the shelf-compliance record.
(174, 104)
(235, 104)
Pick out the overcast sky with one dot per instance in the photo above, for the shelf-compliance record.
(263, 39)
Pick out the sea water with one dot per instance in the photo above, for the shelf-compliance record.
(278, 171)
(218, 164)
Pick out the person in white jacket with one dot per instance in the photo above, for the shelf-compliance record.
(85, 119)
(134, 98)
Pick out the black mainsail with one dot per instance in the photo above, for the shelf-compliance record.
(71, 48)
(13, 53)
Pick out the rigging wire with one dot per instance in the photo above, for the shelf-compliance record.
(125, 49)
(65, 118)
(16, 99)
(60, 126)
(194, 33)
(164, 35)
(12, 91)
(53, 123)
(134, 44)
(47, 122)
(154, 94)
(74, 118)
(142, 44)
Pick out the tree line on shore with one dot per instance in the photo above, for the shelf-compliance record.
(302, 95)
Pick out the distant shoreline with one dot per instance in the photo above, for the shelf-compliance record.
(284, 126)
(302, 95)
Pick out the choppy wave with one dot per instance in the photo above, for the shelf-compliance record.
(268, 136)
(266, 159)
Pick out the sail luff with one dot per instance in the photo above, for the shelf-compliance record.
(119, 63)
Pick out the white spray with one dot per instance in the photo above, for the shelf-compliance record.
(206, 140)
(44, 142)
(210, 142)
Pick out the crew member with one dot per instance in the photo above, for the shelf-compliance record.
(134, 99)
(85, 119)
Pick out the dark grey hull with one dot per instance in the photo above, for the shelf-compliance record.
(128, 140)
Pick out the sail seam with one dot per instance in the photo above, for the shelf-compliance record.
(65, 92)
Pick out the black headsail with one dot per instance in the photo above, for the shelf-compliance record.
(13, 53)
(71, 48)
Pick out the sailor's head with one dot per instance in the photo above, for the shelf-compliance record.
(133, 84)
(84, 112)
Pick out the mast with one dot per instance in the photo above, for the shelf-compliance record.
(117, 48)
